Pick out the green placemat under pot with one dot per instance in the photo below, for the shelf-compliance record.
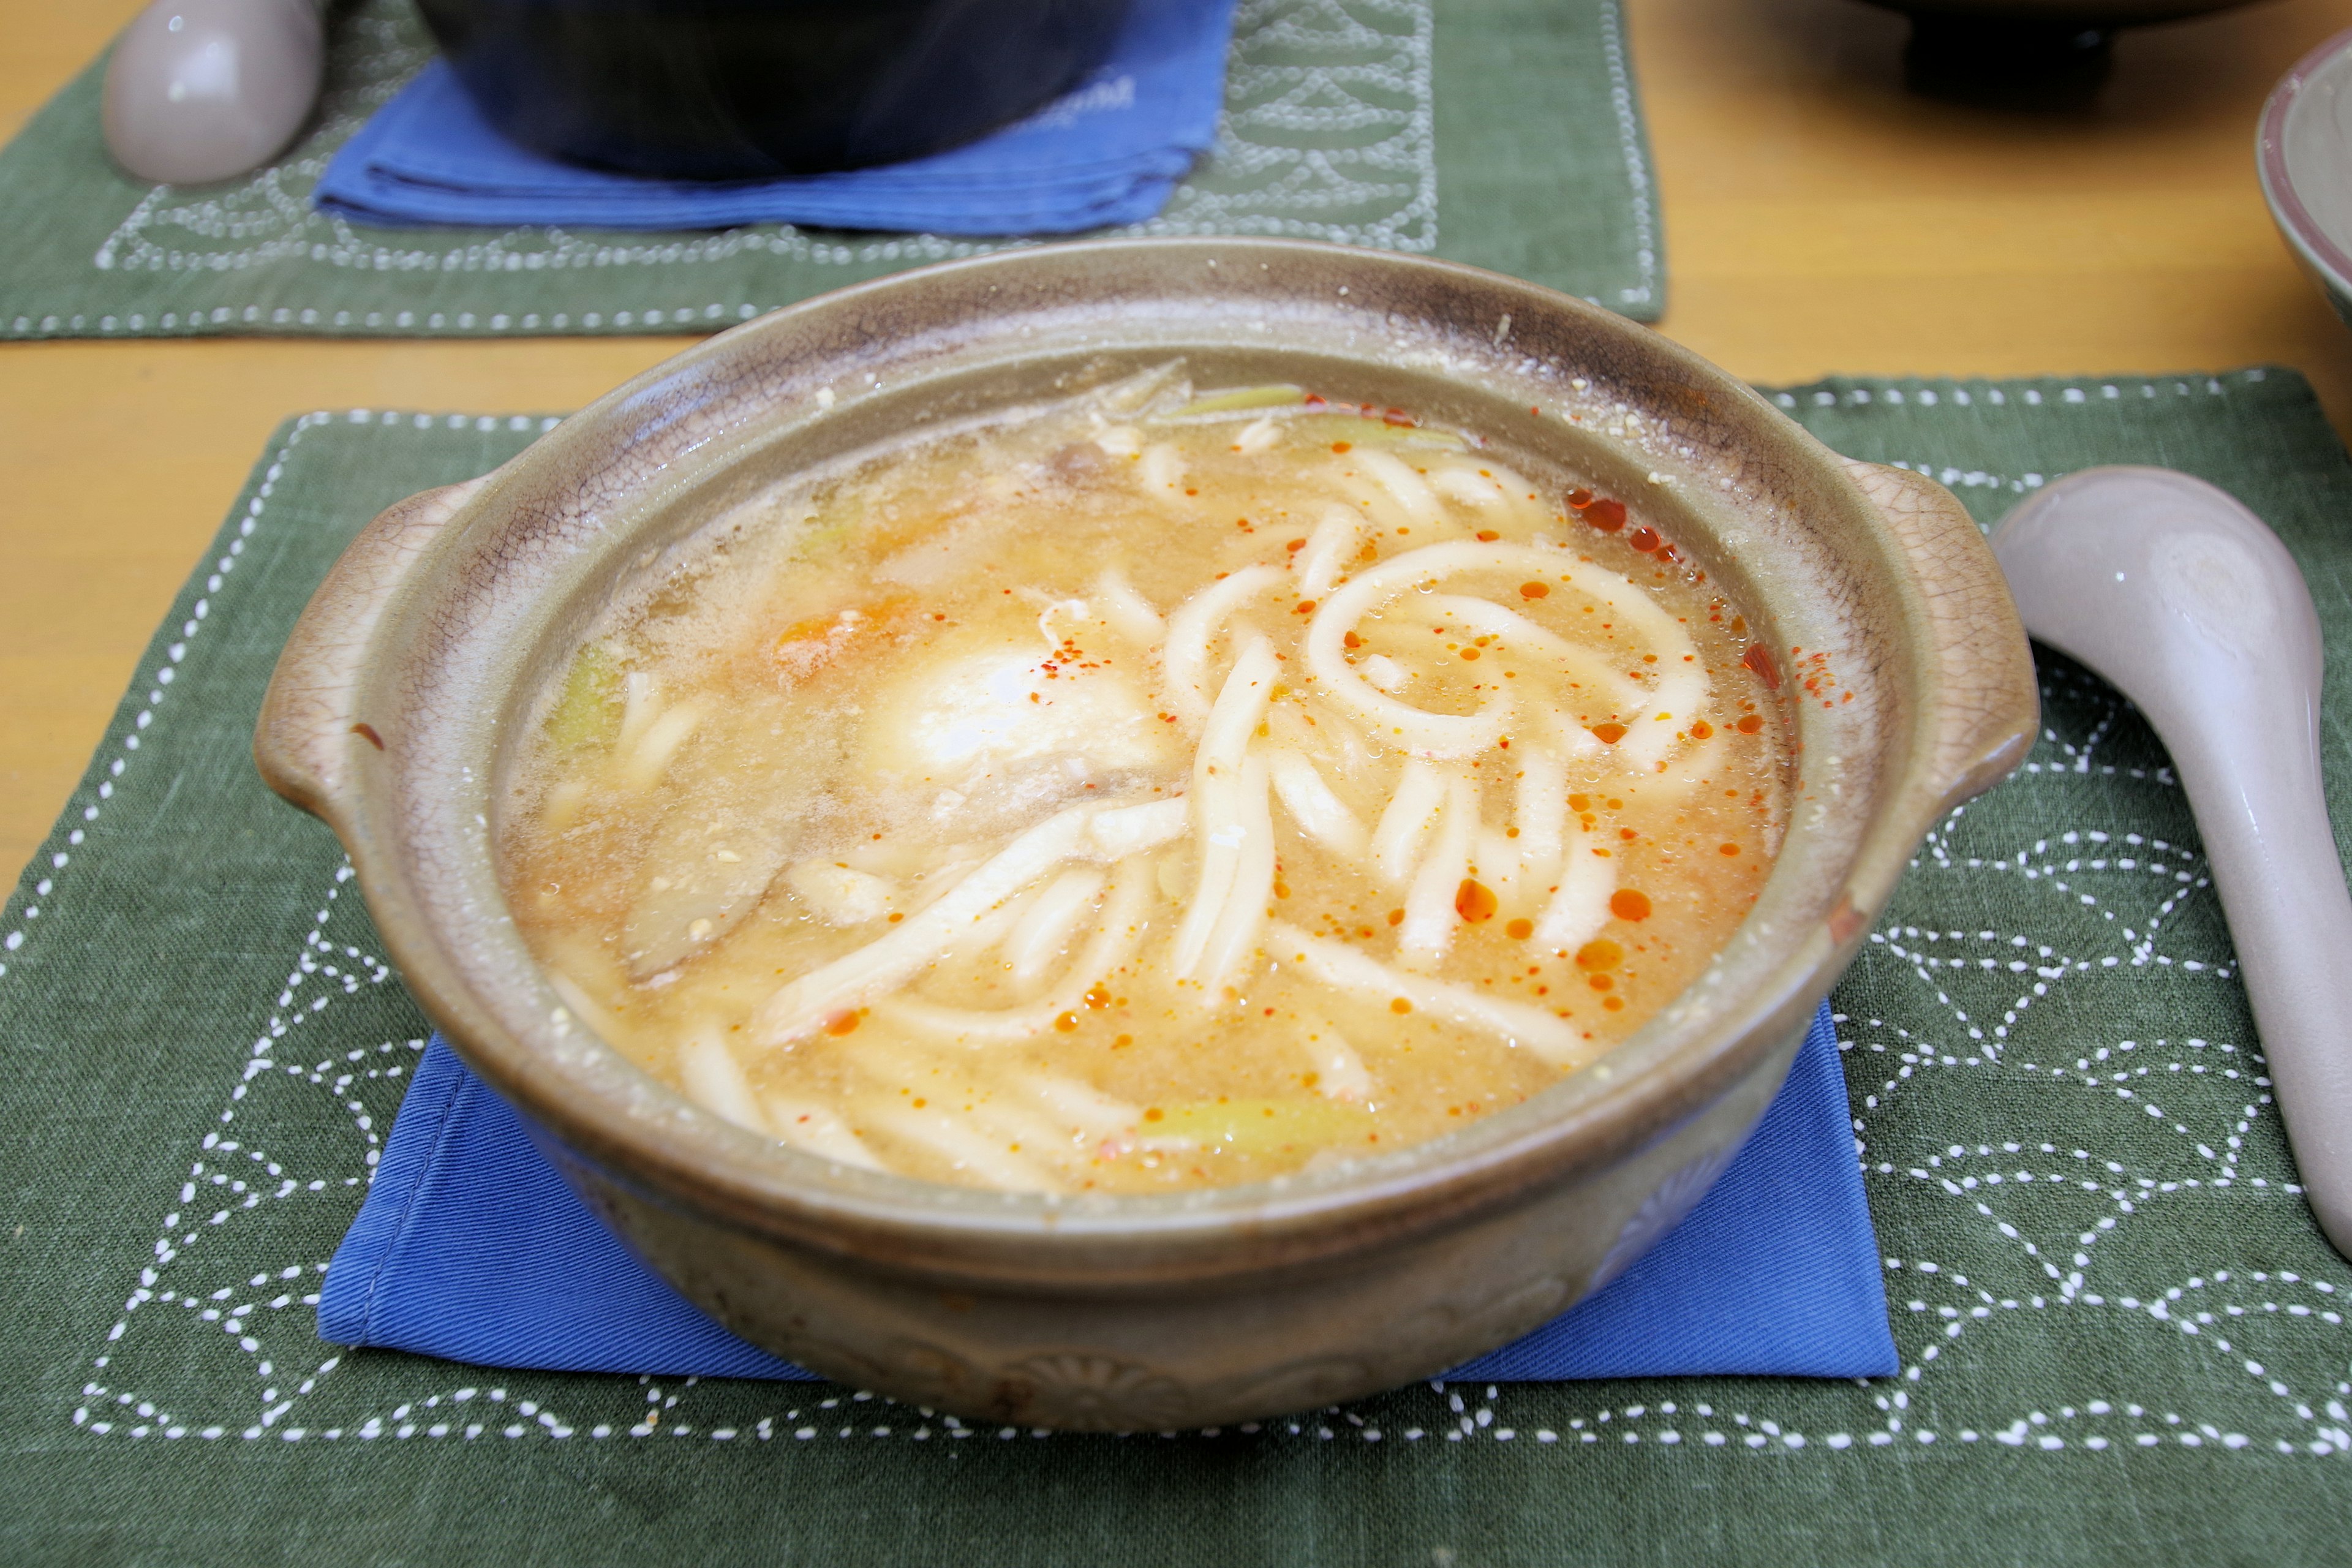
(1505, 133)
(2123, 1339)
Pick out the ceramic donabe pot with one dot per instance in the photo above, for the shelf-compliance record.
(400, 701)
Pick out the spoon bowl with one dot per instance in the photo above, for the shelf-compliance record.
(199, 90)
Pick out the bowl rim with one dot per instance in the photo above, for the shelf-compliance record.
(2302, 231)
(1674, 1074)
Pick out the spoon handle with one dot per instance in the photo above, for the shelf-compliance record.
(2190, 604)
(2266, 833)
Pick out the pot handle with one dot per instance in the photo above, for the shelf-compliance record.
(1991, 707)
(309, 734)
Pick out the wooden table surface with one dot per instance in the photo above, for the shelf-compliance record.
(1818, 219)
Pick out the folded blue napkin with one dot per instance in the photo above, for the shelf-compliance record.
(469, 1247)
(1108, 152)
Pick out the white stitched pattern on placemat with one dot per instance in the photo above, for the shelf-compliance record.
(218, 1279)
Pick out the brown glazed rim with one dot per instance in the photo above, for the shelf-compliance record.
(1670, 1070)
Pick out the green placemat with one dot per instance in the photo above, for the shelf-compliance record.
(2122, 1337)
(1500, 132)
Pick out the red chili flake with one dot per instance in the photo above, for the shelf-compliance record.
(1700, 730)
(1486, 536)
(1534, 589)
(1305, 607)
(1339, 445)
(1753, 722)
(1397, 416)
(1756, 658)
(1475, 902)
(1352, 640)
(1316, 400)
(1580, 498)
(1606, 514)
(1608, 734)
(840, 1023)
(1644, 539)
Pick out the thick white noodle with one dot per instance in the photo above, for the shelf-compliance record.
(1218, 803)
(1321, 815)
(1117, 929)
(1578, 743)
(1495, 860)
(1340, 1072)
(1513, 485)
(1125, 830)
(1163, 469)
(817, 1129)
(1427, 933)
(964, 1147)
(1372, 498)
(714, 1080)
(882, 965)
(1045, 927)
(1411, 491)
(585, 1008)
(1385, 673)
(643, 765)
(640, 706)
(1193, 623)
(1130, 614)
(841, 895)
(1120, 440)
(1406, 826)
(1327, 549)
(989, 929)
(1078, 1103)
(1028, 1131)
(1448, 735)
(1689, 771)
(1520, 634)
(1235, 935)
(1538, 814)
(1678, 699)
(1345, 968)
(1257, 436)
(1466, 486)
(1581, 908)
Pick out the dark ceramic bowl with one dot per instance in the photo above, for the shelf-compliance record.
(747, 89)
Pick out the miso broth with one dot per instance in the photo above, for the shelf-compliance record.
(1148, 791)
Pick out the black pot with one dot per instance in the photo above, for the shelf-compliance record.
(744, 89)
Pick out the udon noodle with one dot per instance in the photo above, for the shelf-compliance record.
(1146, 791)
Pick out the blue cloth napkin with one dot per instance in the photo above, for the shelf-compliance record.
(1108, 152)
(469, 1247)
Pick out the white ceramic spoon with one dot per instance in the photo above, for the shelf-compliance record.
(198, 91)
(2191, 606)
